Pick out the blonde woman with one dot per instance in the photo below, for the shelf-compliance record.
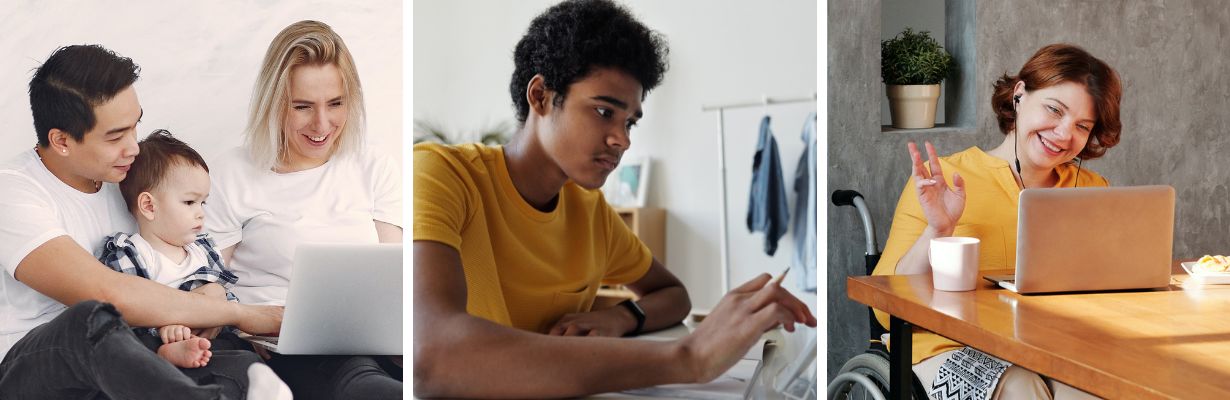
(303, 174)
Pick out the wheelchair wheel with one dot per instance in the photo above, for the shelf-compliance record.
(863, 377)
(866, 377)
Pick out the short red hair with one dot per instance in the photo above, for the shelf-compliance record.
(1059, 63)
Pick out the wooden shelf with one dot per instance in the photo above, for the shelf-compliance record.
(620, 292)
(649, 225)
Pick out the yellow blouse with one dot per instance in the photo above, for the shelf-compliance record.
(990, 215)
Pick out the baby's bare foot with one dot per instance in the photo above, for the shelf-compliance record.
(191, 353)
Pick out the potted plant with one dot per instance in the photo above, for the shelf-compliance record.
(430, 131)
(912, 65)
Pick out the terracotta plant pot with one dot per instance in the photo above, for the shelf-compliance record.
(913, 106)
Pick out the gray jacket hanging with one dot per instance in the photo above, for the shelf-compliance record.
(767, 210)
(804, 224)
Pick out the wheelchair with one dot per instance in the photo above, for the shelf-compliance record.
(865, 376)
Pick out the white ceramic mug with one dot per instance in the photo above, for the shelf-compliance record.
(954, 263)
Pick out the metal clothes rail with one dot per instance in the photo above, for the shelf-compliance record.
(764, 102)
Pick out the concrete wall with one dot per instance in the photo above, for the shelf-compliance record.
(198, 60)
(1171, 56)
(720, 52)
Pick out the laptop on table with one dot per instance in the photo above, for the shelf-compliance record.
(1092, 239)
(343, 299)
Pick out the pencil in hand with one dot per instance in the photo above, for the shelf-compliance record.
(778, 280)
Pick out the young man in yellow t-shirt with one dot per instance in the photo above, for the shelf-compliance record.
(511, 243)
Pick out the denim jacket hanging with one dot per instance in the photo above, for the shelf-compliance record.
(767, 210)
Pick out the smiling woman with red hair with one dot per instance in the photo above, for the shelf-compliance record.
(1060, 109)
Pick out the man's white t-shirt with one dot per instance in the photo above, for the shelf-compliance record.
(270, 214)
(36, 207)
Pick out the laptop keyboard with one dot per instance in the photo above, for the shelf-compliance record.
(267, 339)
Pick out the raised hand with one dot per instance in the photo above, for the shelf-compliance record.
(941, 204)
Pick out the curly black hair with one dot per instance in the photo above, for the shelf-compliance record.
(569, 39)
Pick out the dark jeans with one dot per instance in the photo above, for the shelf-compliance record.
(89, 352)
(339, 377)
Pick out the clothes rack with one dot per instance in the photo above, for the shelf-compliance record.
(764, 102)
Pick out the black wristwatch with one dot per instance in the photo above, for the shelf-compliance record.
(637, 313)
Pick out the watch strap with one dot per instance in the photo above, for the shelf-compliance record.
(637, 313)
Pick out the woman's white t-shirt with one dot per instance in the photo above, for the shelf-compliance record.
(269, 214)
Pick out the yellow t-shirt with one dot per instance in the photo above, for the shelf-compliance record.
(523, 267)
(990, 215)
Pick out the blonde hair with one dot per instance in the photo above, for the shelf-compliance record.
(302, 43)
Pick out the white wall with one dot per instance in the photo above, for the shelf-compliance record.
(721, 51)
(198, 59)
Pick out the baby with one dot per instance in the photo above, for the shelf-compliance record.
(165, 190)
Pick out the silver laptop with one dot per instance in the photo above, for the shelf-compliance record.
(343, 299)
(1092, 239)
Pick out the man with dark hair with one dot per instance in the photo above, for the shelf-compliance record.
(511, 243)
(61, 331)
(63, 96)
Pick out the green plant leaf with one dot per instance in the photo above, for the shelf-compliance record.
(428, 131)
(914, 58)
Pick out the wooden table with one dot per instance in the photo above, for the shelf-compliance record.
(1163, 343)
